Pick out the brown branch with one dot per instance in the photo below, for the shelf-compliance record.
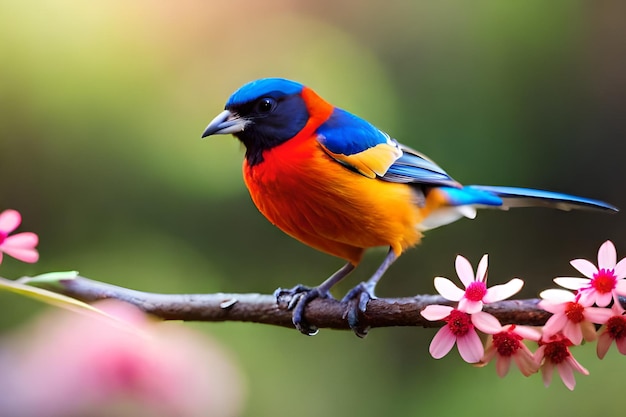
(259, 308)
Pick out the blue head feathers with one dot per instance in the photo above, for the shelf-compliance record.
(263, 87)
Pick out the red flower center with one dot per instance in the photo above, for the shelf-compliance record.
(616, 327)
(3, 237)
(574, 312)
(556, 351)
(476, 291)
(459, 323)
(506, 343)
(604, 280)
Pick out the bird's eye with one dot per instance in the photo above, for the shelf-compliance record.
(265, 105)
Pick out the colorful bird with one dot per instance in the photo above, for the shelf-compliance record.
(340, 185)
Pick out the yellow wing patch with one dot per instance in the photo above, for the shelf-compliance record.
(372, 162)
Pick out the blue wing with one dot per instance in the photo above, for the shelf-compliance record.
(415, 167)
(357, 144)
(362, 147)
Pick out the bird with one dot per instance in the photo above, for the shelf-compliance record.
(337, 183)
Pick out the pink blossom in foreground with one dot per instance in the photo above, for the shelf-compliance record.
(613, 331)
(460, 329)
(476, 293)
(69, 364)
(554, 354)
(570, 316)
(507, 346)
(603, 283)
(21, 246)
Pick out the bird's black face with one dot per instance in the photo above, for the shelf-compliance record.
(272, 119)
(262, 123)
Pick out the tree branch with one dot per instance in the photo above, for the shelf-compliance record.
(260, 308)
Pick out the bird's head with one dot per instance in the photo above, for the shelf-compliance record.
(262, 114)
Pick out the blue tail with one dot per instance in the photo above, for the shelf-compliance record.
(506, 197)
(463, 202)
(526, 197)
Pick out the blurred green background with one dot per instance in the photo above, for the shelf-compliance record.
(103, 104)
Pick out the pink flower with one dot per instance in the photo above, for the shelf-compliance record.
(69, 364)
(613, 330)
(570, 316)
(20, 246)
(476, 292)
(555, 353)
(603, 283)
(460, 328)
(508, 344)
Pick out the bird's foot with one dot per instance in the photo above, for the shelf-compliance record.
(357, 299)
(297, 299)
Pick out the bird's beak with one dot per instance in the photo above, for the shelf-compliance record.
(224, 123)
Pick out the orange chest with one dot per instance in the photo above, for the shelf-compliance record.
(294, 180)
(311, 197)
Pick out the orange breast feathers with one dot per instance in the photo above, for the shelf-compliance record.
(313, 198)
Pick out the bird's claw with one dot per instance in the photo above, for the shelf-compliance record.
(357, 300)
(290, 296)
(297, 299)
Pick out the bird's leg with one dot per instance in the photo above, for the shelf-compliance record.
(299, 296)
(358, 297)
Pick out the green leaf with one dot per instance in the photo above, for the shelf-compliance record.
(55, 299)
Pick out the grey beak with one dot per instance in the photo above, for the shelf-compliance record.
(224, 123)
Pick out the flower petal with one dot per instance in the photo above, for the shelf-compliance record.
(587, 296)
(481, 271)
(503, 291)
(448, 289)
(538, 356)
(603, 299)
(620, 287)
(22, 247)
(9, 221)
(464, 270)
(555, 324)
(25, 240)
(603, 344)
(546, 373)
(607, 256)
(557, 296)
(573, 332)
(486, 323)
(470, 307)
(490, 352)
(24, 255)
(589, 331)
(567, 375)
(441, 343)
(585, 267)
(576, 366)
(503, 363)
(528, 333)
(620, 269)
(436, 312)
(571, 283)
(621, 345)
(553, 308)
(470, 347)
(525, 361)
(598, 315)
